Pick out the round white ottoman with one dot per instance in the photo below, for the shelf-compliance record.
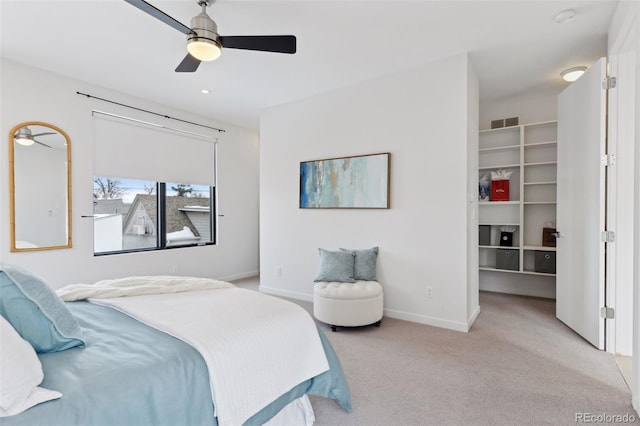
(348, 304)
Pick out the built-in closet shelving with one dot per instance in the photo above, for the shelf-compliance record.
(529, 151)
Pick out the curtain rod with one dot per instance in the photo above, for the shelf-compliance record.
(150, 112)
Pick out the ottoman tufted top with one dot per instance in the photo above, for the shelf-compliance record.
(357, 290)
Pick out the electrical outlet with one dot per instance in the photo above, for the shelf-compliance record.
(429, 292)
(174, 269)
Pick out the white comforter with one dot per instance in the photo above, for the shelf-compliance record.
(256, 346)
(138, 286)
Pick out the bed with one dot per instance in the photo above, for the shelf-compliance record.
(133, 367)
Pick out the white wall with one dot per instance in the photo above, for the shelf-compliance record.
(530, 107)
(421, 117)
(29, 94)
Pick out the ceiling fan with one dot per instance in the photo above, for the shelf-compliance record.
(205, 44)
(25, 137)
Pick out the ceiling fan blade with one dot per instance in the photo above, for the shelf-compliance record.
(43, 134)
(43, 144)
(270, 43)
(188, 64)
(158, 14)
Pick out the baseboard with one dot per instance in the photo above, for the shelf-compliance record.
(286, 293)
(391, 313)
(423, 319)
(239, 276)
(473, 317)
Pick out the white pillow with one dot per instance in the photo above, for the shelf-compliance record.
(21, 373)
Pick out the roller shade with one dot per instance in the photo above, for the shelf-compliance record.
(131, 149)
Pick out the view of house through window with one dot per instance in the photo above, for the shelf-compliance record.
(132, 215)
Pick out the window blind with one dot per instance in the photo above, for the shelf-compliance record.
(132, 149)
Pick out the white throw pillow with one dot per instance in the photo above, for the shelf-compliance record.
(20, 372)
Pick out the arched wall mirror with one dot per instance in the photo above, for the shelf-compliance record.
(39, 187)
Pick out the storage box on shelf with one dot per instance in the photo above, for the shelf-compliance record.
(529, 152)
(508, 259)
(545, 262)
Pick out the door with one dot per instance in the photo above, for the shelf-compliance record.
(580, 272)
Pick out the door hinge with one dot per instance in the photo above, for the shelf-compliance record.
(608, 237)
(607, 313)
(609, 83)
(608, 160)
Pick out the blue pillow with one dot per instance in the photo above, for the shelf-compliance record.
(336, 266)
(36, 312)
(364, 267)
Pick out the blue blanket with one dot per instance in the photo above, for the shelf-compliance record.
(132, 374)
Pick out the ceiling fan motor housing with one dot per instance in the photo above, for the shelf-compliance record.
(203, 27)
(24, 133)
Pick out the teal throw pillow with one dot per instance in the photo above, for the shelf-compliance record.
(336, 266)
(36, 312)
(365, 264)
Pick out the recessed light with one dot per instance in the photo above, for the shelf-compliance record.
(572, 74)
(205, 91)
(564, 16)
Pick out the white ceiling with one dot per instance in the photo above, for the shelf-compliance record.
(515, 46)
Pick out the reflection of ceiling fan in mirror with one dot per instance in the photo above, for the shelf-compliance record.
(24, 137)
(205, 44)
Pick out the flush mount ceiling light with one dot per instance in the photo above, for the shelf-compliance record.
(572, 74)
(205, 91)
(564, 16)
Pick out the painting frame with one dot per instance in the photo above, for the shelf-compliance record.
(350, 182)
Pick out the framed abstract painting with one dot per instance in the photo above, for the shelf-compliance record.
(357, 182)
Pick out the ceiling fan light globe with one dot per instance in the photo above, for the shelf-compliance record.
(24, 136)
(25, 141)
(203, 49)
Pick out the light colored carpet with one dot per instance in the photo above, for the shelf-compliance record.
(517, 365)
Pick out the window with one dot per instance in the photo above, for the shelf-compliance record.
(129, 216)
(140, 195)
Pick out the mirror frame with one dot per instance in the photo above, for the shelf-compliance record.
(12, 201)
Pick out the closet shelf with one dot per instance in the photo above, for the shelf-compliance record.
(541, 183)
(500, 166)
(541, 163)
(539, 248)
(499, 148)
(497, 203)
(540, 144)
(499, 247)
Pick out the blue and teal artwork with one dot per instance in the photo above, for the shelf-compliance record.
(350, 182)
